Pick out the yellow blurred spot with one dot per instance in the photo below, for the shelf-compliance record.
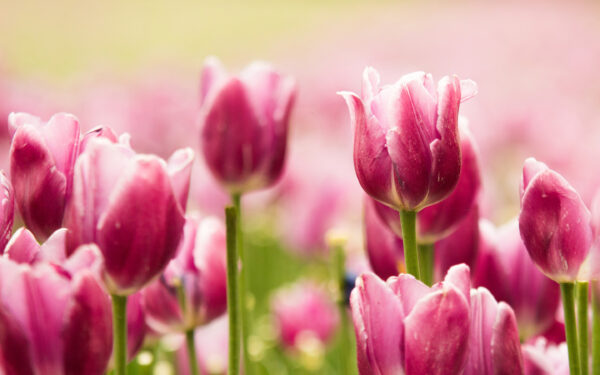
(311, 350)
(256, 348)
(164, 368)
(145, 358)
(336, 238)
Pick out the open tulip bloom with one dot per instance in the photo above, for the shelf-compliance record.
(407, 151)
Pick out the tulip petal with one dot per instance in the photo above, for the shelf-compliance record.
(468, 89)
(376, 312)
(15, 355)
(88, 328)
(23, 247)
(7, 210)
(483, 316)
(139, 231)
(179, 166)
(19, 119)
(437, 333)
(61, 135)
(408, 290)
(531, 168)
(505, 345)
(212, 75)
(460, 276)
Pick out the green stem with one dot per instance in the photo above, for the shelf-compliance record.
(595, 329)
(582, 325)
(409, 238)
(119, 310)
(568, 299)
(232, 291)
(426, 256)
(191, 349)
(339, 273)
(243, 286)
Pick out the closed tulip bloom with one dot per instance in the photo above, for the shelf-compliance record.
(7, 210)
(42, 157)
(554, 222)
(52, 322)
(384, 248)
(407, 151)
(506, 270)
(304, 312)
(244, 124)
(494, 337)
(192, 290)
(404, 327)
(127, 204)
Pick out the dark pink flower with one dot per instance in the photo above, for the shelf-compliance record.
(7, 210)
(406, 145)
(244, 124)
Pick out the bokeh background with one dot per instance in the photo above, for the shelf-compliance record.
(135, 66)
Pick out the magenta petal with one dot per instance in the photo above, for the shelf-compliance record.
(15, 355)
(88, 328)
(530, 169)
(437, 334)
(40, 187)
(483, 316)
(372, 163)
(7, 210)
(555, 226)
(136, 325)
(163, 312)
(377, 316)
(179, 166)
(212, 75)
(19, 119)
(61, 134)
(140, 230)
(54, 249)
(23, 247)
(506, 347)
(460, 277)
(370, 84)
(408, 290)
(446, 153)
(86, 257)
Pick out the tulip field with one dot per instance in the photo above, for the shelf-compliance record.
(332, 187)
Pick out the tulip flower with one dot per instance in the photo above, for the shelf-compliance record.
(554, 223)
(406, 142)
(506, 270)
(128, 205)
(192, 290)
(244, 124)
(7, 210)
(52, 322)
(404, 327)
(42, 157)
(494, 338)
(211, 342)
(304, 312)
(441, 219)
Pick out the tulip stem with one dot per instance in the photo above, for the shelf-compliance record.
(409, 237)
(426, 253)
(568, 299)
(595, 329)
(191, 349)
(119, 310)
(233, 308)
(243, 286)
(339, 274)
(582, 325)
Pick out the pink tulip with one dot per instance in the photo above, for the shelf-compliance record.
(129, 205)
(7, 210)
(505, 268)
(404, 327)
(304, 309)
(51, 322)
(42, 157)
(200, 271)
(441, 219)
(494, 337)
(212, 343)
(406, 145)
(554, 223)
(543, 358)
(244, 124)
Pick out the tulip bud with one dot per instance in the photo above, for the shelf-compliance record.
(42, 156)
(126, 204)
(554, 223)
(244, 124)
(192, 290)
(494, 337)
(52, 323)
(506, 270)
(304, 311)
(7, 210)
(406, 145)
(405, 327)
